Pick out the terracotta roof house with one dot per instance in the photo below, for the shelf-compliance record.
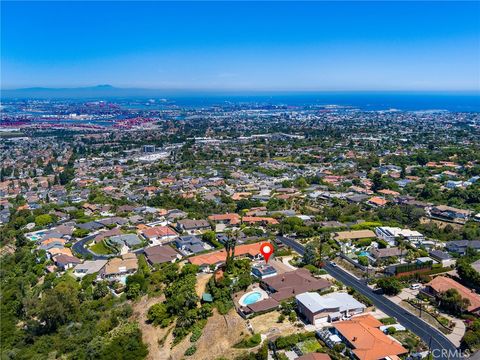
(441, 284)
(367, 341)
(218, 257)
(159, 234)
(56, 251)
(292, 283)
(228, 219)
(377, 201)
(388, 192)
(253, 220)
(161, 254)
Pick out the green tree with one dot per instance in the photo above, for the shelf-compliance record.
(43, 220)
(453, 302)
(310, 255)
(390, 285)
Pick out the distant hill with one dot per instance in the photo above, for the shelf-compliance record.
(94, 92)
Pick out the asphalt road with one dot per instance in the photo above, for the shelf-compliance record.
(79, 248)
(441, 347)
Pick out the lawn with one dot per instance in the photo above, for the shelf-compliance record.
(100, 249)
(309, 346)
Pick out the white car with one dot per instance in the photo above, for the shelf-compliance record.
(415, 286)
(333, 263)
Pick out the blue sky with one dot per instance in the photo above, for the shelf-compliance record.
(242, 45)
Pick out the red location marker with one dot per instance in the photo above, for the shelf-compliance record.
(266, 249)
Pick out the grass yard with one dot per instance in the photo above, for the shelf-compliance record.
(309, 346)
(100, 249)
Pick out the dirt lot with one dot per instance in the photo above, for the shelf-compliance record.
(267, 324)
(218, 337)
(151, 335)
(202, 280)
(440, 224)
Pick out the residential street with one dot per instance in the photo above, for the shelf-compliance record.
(441, 346)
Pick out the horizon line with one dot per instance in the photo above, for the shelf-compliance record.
(254, 90)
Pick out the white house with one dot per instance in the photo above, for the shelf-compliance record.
(318, 309)
(391, 234)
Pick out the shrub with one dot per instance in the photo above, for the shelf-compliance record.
(196, 333)
(191, 350)
(388, 321)
(249, 342)
(391, 330)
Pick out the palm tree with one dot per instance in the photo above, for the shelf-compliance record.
(230, 244)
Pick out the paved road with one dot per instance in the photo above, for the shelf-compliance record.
(441, 347)
(79, 248)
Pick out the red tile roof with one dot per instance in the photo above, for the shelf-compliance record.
(158, 231)
(368, 342)
(220, 256)
(442, 284)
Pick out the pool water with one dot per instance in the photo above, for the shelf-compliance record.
(252, 298)
(364, 253)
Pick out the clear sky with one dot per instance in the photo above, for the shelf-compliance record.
(242, 45)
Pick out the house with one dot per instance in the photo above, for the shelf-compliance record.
(263, 271)
(216, 258)
(192, 226)
(51, 253)
(88, 267)
(190, 244)
(129, 240)
(460, 246)
(391, 234)
(445, 259)
(476, 266)
(91, 226)
(117, 268)
(65, 262)
(441, 284)
(160, 254)
(386, 253)
(257, 220)
(377, 201)
(292, 283)
(317, 309)
(226, 219)
(175, 214)
(159, 234)
(52, 243)
(367, 341)
(105, 234)
(449, 213)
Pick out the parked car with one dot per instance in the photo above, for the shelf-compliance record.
(415, 286)
(334, 264)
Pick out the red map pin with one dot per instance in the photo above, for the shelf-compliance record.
(266, 249)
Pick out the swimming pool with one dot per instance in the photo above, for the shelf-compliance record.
(364, 253)
(252, 298)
